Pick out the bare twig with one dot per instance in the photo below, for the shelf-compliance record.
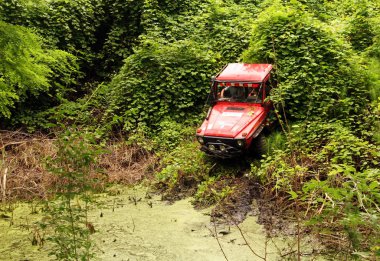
(217, 239)
(5, 183)
(134, 226)
(13, 143)
(289, 253)
(23, 142)
(298, 232)
(246, 242)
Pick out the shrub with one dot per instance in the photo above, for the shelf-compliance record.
(73, 164)
(183, 168)
(97, 32)
(334, 176)
(360, 31)
(315, 81)
(161, 80)
(212, 191)
(168, 75)
(28, 69)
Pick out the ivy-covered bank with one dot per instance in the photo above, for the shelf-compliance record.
(139, 71)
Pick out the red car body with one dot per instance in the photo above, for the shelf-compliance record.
(238, 110)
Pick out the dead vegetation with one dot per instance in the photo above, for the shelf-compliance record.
(126, 164)
(23, 173)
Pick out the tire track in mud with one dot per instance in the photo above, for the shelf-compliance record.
(249, 198)
(234, 208)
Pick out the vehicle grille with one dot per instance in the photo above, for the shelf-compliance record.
(235, 109)
(230, 142)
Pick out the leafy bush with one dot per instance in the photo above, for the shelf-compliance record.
(276, 141)
(168, 75)
(334, 176)
(204, 36)
(316, 81)
(28, 69)
(360, 31)
(73, 164)
(61, 23)
(222, 26)
(86, 112)
(183, 168)
(167, 136)
(161, 80)
(119, 26)
(99, 31)
(211, 191)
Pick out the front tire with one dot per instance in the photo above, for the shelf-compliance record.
(259, 146)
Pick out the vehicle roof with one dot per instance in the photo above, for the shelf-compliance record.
(244, 72)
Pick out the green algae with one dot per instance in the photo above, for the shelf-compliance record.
(153, 230)
(135, 226)
(18, 233)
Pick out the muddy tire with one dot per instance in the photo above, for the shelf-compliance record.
(259, 146)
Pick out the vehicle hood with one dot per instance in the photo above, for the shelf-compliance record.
(228, 120)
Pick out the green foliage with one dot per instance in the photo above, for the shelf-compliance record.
(169, 72)
(97, 32)
(183, 168)
(222, 26)
(26, 68)
(168, 135)
(161, 80)
(227, 32)
(102, 33)
(316, 81)
(372, 56)
(327, 59)
(334, 175)
(117, 33)
(326, 66)
(376, 132)
(276, 141)
(86, 112)
(361, 30)
(212, 191)
(73, 164)
(7, 99)
(67, 25)
(21, 66)
(157, 14)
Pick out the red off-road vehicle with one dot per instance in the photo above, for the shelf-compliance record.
(239, 111)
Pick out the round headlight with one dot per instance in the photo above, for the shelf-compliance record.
(212, 147)
(240, 143)
(200, 140)
(223, 148)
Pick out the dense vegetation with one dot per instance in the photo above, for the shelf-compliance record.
(142, 68)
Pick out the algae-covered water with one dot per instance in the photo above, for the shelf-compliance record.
(131, 225)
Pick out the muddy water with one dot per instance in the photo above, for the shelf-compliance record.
(131, 225)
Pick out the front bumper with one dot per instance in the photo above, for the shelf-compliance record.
(223, 148)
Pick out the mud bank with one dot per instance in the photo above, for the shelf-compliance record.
(132, 225)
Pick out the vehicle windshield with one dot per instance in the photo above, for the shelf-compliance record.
(239, 94)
